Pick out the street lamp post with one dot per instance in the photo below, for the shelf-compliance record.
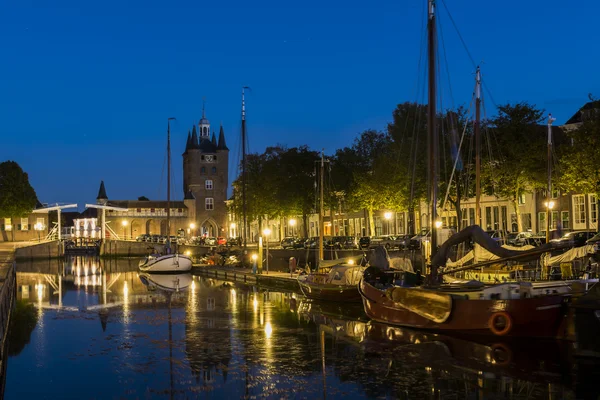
(124, 223)
(292, 223)
(388, 216)
(267, 232)
(549, 206)
(192, 229)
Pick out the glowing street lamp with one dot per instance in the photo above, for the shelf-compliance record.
(388, 216)
(124, 223)
(267, 232)
(438, 224)
(292, 223)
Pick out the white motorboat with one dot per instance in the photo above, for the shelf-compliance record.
(167, 282)
(166, 263)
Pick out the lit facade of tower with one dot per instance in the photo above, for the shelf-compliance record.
(205, 176)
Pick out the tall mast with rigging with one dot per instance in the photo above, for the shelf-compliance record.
(244, 168)
(477, 147)
(169, 178)
(431, 124)
(321, 209)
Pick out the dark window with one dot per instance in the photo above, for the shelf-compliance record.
(152, 210)
(179, 210)
(139, 210)
(203, 170)
(214, 170)
(215, 158)
(202, 158)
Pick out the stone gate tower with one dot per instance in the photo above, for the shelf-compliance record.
(206, 177)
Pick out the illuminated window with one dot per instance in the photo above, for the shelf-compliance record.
(579, 209)
(209, 203)
(564, 217)
(7, 224)
(24, 224)
(208, 184)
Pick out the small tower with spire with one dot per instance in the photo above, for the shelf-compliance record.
(102, 198)
(204, 124)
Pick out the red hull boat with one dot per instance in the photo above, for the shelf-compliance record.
(533, 317)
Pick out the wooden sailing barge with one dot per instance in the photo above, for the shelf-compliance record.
(510, 309)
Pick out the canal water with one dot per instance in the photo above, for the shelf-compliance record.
(85, 328)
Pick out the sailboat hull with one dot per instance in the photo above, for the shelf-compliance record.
(169, 263)
(531, 317)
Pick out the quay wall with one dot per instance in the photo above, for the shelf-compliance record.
(52, 249)
(126, 248)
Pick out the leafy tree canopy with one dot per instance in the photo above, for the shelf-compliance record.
(17, 197)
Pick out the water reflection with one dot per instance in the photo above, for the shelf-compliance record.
(180, 336)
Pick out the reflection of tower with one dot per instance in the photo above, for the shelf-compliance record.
(208, 336)
(205, 177)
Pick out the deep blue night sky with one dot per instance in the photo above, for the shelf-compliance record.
(87, 87)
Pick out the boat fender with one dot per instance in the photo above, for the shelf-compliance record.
(500, 323)
(501, 354)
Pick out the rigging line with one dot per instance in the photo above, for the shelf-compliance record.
(162, 174)
(459, 35)
(457, 154)
(446, 63)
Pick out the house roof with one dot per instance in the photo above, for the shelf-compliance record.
(577, 118)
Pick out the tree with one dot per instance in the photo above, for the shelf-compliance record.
(520, 162)
(17, 197)
(408, 169)
(579, 162)
(370, 187)
(143, 198)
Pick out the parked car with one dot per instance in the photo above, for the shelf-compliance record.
(402, 241)
(518, 239)
(499, 236)
(289, 242)
(364, 242)
(417, 241)
(221, 241)
(576, 238)
(142, 238)
(386, 241)
(234, 241)
(349, 242)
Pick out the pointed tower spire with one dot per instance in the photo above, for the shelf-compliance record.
(189, 141)
(102, 197)
(194, 138)
(222, 145)
(214, 139)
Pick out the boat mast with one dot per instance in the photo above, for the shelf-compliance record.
(477, 147)
(431, 125)
(321, 207)
(169, 178)
(549, 192)
(244, 168)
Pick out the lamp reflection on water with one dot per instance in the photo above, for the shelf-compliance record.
(268, 330)
(125, 303)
